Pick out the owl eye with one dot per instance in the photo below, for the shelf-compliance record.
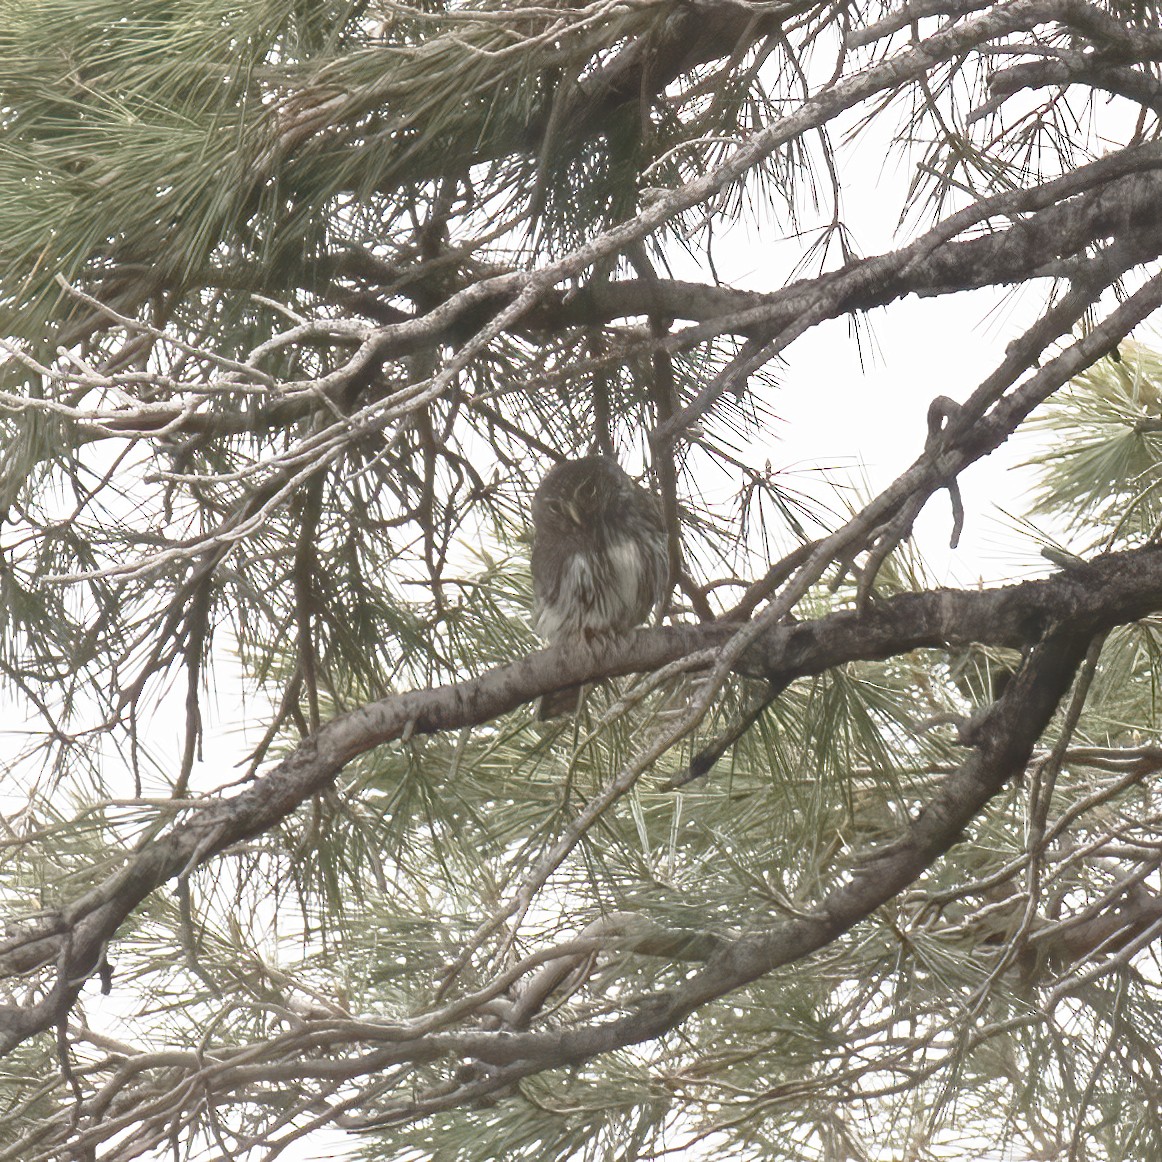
(563, 510)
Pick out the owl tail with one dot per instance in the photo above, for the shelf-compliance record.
(558, 702)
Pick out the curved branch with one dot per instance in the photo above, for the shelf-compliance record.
(1108, 591)
(1115, 197)
(501, 1057)
(1076, 69)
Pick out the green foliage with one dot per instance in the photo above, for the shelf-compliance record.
(242, 146)
(1103, 469)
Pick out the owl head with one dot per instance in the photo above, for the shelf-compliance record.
(577, 495)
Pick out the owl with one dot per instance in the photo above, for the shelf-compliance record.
(600, 562)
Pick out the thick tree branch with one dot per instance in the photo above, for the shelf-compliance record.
(1076, 69)
(1115, 198)
(1008, 733)
(910, 64)
(1109, 591)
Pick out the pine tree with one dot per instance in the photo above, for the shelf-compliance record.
(299, 301)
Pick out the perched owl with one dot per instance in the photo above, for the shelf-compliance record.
(600, 561)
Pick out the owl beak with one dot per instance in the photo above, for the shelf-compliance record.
(574, 512)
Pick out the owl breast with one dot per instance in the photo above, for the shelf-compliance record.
(595, 593)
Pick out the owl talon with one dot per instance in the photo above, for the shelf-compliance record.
(558, 702)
